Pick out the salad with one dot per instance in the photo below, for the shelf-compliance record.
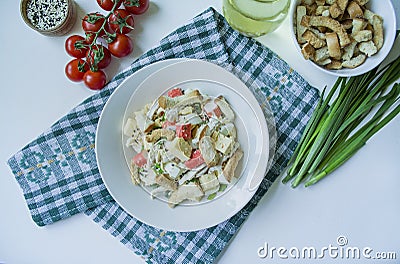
(186, 146)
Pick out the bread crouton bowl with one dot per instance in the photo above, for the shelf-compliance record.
(343, 37)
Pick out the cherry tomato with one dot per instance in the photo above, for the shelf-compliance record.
(95, 80)
(75, 46)
(136, 7)
(121, 46)
(89, 37)
(108, 4)
(99, 56)
(93, 22)
(76, 69)
(107, 33)
(121, 21)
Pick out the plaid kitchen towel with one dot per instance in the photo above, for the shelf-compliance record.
(58, 173)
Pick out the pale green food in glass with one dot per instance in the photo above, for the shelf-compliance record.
(255, 17)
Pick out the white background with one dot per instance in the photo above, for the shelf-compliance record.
(361, 200)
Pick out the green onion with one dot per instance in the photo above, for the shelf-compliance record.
(339, 127)
(158, 168)
(222, 187)
(212, 196)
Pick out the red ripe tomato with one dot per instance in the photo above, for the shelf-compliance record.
(195, 154)
(95, 80)
(93, 22)
(184, 131)
(139, 159)
(217, 111)
(121, 46)
(175, 92)
(89, 37)
(99, 56)
(75, 69)
(136, 7)
(76, 46)
(108, 4)
(107, 32)
(121, 21)
(195, 160)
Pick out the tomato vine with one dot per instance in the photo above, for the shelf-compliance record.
(113, 28)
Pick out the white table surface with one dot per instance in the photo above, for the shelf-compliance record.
(361, 200)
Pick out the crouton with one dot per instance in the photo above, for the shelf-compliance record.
(301, 11)
(334, 65)
(320, 10)
(230, 166)
(369, 15)
(358, 24)
(333, 46)
(355, 10)
(339, 33)
(342, 4)
(377, 24)
(361, 2)
(324, 62)
(362, 35)
(348, 51)
(313, 39)
(368, 48)
(308, 51)
(335, 10)
(330, 23)
(164, 181)
(354, 62)
(307, 2)
(321, 54)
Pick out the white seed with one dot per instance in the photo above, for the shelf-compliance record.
(46, 14)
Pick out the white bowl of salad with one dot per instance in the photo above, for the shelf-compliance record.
(182, 145)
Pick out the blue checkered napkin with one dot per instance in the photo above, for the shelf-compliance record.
(58, 172)
(292, 101)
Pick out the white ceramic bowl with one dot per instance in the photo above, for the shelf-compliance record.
(385, 9)
(143, 87)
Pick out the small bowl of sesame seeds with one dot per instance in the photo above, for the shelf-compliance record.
(49, 17)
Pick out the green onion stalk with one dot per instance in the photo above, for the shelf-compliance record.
(341, 125)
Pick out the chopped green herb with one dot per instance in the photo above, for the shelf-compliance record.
(222, 187)
(211, 196)
(158, 168)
